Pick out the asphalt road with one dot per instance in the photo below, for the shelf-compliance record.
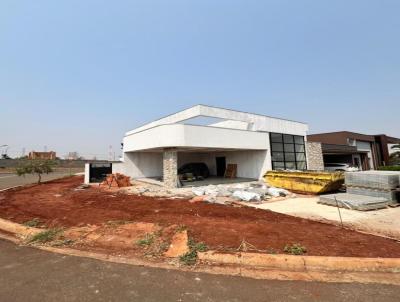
(12, 180)
(28, 274)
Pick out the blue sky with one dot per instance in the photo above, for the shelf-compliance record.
(76, 75)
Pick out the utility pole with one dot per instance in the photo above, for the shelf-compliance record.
(110, 153)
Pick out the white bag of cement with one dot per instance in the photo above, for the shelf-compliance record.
(198, 191)
(276, 192)
(223, 192)
(246, 196)
(211, 190)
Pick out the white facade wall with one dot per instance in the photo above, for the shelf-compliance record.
(180, 135)
(118, 168)
(142, 164)
(87, 172)
(250, 164)
(257, 122)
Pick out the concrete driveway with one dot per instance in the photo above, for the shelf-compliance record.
(28, 274)
(382, 222)
(11, 180)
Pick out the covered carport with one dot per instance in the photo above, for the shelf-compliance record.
(344, 154)
(177, 144)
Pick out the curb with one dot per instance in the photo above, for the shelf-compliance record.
(304, 263)
(10, 188)
(251, 265)
(18, 229)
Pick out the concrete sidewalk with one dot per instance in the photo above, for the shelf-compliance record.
(384, 222)
(28, 274)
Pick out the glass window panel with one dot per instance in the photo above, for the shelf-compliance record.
(277, 147)
(288, 138)
(278, 165)
(289, 147)
(301, 165)
(291, 165)
(290, 157)
(276, 138)
(299, 140)
(299, 148)
(278, 156)
(300, 157)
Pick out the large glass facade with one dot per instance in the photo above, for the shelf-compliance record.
(288, 152)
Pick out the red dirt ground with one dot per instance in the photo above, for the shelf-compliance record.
(220, 227)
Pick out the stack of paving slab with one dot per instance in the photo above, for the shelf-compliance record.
(367, 190)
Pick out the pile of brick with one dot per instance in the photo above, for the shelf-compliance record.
(116, 180)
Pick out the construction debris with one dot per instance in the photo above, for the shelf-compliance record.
(246, 196)
(116, 180)
(252, 191)
(249, 192)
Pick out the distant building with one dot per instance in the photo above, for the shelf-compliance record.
(72, 156)
(42, 155)
(367, 152)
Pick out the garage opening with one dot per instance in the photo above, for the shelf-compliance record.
(98, 171)
(250, 165)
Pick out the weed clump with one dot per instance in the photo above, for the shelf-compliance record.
(295, 249)
(190, 258)
(45, 236)
(146, 241)
(33, 223)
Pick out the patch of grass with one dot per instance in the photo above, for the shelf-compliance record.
(33, 223)
(295, 249)
(45, 236)
(157, 248)
(153, 244)
(146, 241)
(190, 258)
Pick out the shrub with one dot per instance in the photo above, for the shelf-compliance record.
(295, 249)
(389, 168)
(37, 167)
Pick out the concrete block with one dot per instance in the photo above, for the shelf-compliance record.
(354, 202)
(383, 180)
(387, 194)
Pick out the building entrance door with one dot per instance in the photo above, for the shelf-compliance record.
(221, 165)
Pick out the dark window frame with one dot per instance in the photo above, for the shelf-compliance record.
(283, 139)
